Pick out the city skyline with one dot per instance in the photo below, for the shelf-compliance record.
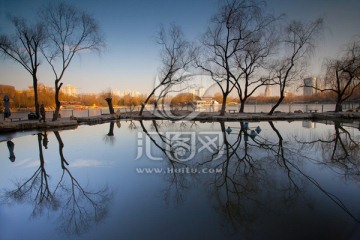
(131, 58)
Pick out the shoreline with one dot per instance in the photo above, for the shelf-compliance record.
(72, 122)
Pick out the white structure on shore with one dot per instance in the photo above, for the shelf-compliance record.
(310, 85)
(308, 124)
(199, 91)
(115, 92)
(268, 91)
(70, 90)
(127, 92)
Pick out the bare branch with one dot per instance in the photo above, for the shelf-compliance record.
(70, 32)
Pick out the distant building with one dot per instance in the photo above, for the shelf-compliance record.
(200, 91)
(127, 93)
(268, 88)
(268, 91)
(115, 92)
(310, 85)
(191, 90)
(70, 90)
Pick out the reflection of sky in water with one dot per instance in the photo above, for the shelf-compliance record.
(170, 206)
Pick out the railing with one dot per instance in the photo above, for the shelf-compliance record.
(249, 108)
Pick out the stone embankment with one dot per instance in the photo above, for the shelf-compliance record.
(22, 125)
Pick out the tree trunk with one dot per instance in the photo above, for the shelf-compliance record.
(242, 106)
(338, 107)
(223, 106)
(36, 100)
(155, 106)
(276, 104)
(111, 129)
(109, 102)
(61, 147)
(57, 101)
(147, 99)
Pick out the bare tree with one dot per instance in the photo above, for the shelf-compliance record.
(24, 47)
(175, 56)
(235, 47)
(297, 44)
(70, 32)
(343, 74)
(78, 207)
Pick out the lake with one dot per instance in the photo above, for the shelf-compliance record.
(182, 180)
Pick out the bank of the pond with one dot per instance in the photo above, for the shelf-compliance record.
(22, 125)
(25, 125)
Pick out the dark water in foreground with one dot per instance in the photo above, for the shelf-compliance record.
(182, 180)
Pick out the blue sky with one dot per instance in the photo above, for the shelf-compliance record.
(131, 58)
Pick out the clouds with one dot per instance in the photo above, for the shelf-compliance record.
(84, 163)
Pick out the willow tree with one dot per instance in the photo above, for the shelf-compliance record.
(70, 31)
(297, 43)
(24, 48)
(175, 57)
(343, 74)
(237, 43)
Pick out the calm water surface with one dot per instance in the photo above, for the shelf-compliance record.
(182, 180)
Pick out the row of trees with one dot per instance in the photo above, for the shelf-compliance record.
(59, 33)
(24, 99)
(245, 48)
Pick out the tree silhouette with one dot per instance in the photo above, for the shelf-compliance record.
(339, 149)
(82, 208)
(35, 189)
(245, 181)
(24, 48)
(235, 46)
(109, 137)
(176, 57)
(178, 181)
(79, 207)
(298, 41)
(343, 74)
(71, 31)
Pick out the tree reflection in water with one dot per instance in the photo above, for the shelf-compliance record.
(110, 137)
(36, 189)
(79, 207)
(261, 175)
(245, 189)
(243, 181)
(340, 150)
(178, 182)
